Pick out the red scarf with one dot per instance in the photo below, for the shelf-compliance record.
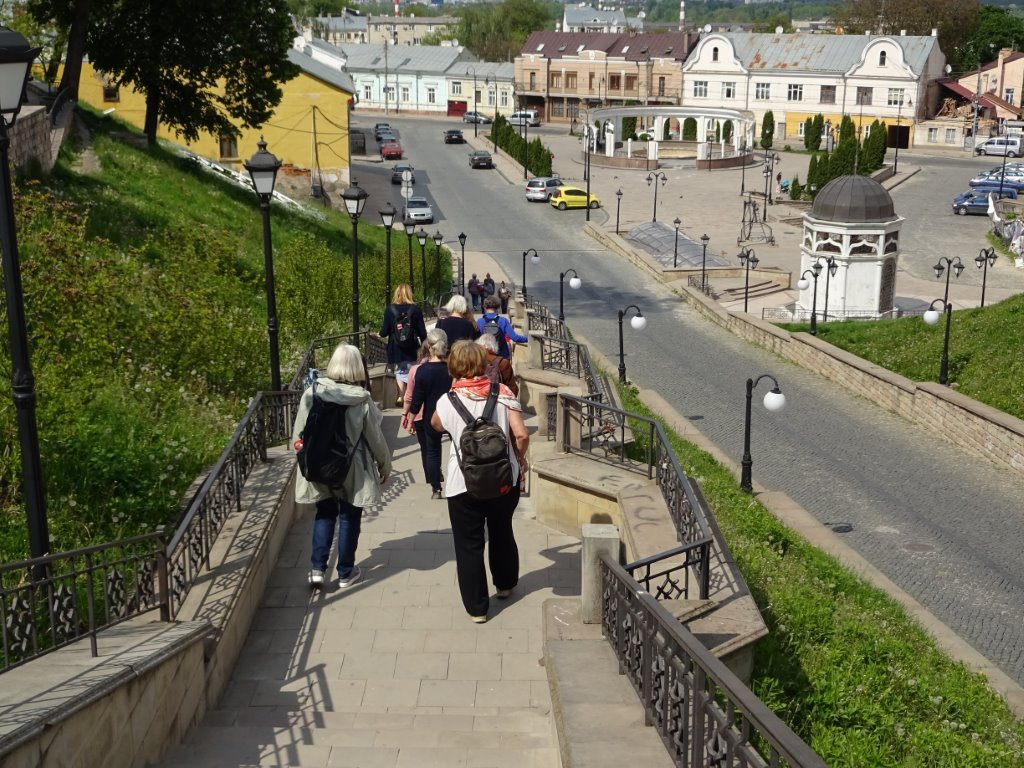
(480, 387)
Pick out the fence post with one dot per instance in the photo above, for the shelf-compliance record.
(598, 539)
(569, 421)
(535, 349)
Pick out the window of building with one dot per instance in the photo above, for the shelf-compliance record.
(933, 135)
(630, 83)
(556, 108)
(867, 130)
(431, 94)
(794, 92)
(881, 59)
(456, 88)
(864, 96)
(556, 79)
(476, 96)
(800, 129)
(570, 80)
(533, 81)
(728, 90)
(615, 82)
(714, 54)
(367, 92)
(827, 94)
(228, 146)
(504, 98)
(700, 89)
(405, 93)
(1008, 95)
(951, 135)
(661, 86)
(895, 97)
(762, 91)
(111, 92)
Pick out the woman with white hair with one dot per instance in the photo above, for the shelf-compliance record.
(460, 323)
(432, 382)
(341, 383)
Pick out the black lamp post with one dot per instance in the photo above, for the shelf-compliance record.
(438, 239)
(16, 57)
(476, 105)
(986, 258)
(750, 261)
(586, 164)
(421, 237)
(618, 204)
(675, 248)
(262, 168)
(931, 316)
(743, 165)
(574, 283)
(535, 259)
(831, 267)
(802, 284)
(652, 178)
(638, 322)
(410, 230)
(899, 114)
(387, 217)
(773, 401)
(704, 240)
(355, 198)
(954, 264)
(462, 265)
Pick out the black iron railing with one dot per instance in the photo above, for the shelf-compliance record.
(63, 101)
(702, 711)
(802, 314)
(373, 347)
(694, 281)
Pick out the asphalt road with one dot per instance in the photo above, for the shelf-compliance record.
(943, 525)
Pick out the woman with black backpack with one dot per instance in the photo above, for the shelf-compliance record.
(405, 330)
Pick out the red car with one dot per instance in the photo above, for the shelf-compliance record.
(391, 150)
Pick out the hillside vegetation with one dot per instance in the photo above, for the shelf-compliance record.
(144, 295)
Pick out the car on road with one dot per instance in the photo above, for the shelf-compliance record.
(541, 187)
(391, 149)
(417, 210)
(398, 170)
(572, 197)
(480, 158)
(381, 128)
(454, 136)
(475, 117)
(1013, 178)
(975, 200)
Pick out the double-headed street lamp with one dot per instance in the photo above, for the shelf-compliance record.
(770, 159)
(652, 178)
(16, 57)
(675, 249)
(638, 322)
(802, 284)
(534, 259)
(831, 267)
(955, 266)
(931, 316)
(421, 238)
(749, 261)
(704, 240)
(262, 168)
(438, 239)
(618, 204)
(774, 401)
(462, 265)
(574, 283)
(986, 258)
(387, 217)
(355, 198)
(410, 231)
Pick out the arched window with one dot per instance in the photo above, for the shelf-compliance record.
(881, 59)
(714, 54)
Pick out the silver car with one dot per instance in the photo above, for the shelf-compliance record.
(540, 188)
(417, 209)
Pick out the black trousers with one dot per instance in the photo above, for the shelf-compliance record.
(470, 518)
(430, 452)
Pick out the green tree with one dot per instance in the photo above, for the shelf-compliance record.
(812, 133)
(767, 130)
(498, 32)
(812, 170)
(628, 127)
(727, 131)
(689, 129)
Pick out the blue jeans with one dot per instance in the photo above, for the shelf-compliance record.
(349, 520)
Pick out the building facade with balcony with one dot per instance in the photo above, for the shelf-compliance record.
(585, 18)
(480, 86)
(561, 74)
(407, 30)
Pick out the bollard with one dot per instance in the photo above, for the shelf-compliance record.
(598, 539)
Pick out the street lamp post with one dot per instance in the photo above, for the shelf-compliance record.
(534, 259)
(262, 168)
(802, 284)
(586, 167)
(638, 323)
(955, 266)
(16, 57)
(653, 178)
(704, 240)
(462, 264)
(618, 204)
(750, 261)
(438, 239)
(931, 316)
(355, 198)
(421, 238)
(774, 401)
(675, 249)
(476, 105)
(387, 217)
(986, 258)
(831, 267)
(574, 283)
(899, 115)
(410, 230)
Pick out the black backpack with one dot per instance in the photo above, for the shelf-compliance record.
(325, 455)
(482, 451)
(403, 327)
(491, 326)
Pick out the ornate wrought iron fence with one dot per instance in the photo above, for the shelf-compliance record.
(373, 347)
(802, 314)
(702, 711)
(693, 281)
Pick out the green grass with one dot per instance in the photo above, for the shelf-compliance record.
(843, 665)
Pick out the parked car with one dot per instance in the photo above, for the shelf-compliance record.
(391, 149)
(398, 170)
(1011, 178)
(476, 117)
(530, 117)
(454, 136)
(480, 158)
(381, 128)
(541, 187)
(975, 200)
(572, 197)
(418, 210)
(1000, 145)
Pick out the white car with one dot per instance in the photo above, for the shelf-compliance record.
(541, 188)
(418, 210)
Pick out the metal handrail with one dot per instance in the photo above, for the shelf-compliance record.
(63, 99)
(704, 714)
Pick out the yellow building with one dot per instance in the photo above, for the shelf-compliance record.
(309, 130)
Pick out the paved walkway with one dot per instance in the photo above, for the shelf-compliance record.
(392, 672)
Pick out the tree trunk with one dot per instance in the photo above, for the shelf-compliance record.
(152, 117)
(76, 47)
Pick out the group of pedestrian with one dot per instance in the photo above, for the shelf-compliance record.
(457, 362)
(480, 290)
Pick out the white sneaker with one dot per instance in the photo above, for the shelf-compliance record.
(351, 579)
(316, 578)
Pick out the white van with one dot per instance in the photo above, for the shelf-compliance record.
(528, 117)
(1000, 145)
